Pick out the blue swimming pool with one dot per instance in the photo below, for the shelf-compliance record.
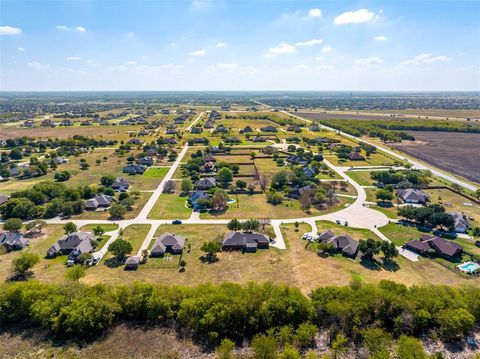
(469, 267)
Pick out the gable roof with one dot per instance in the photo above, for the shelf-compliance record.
(241, 239)
(411, 194)
(168, 240)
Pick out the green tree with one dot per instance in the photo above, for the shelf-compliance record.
(25, 262)
(224, 350)
(264, 347)
(120, 248)
(13, 224)
(211, 248)
(339, 346)
(187, 185)
(389, 250)
(478, 193)
(376, 340)
(369, 248)
(117, 210)
(410, 348)
(98, 231)
(225, 176)
(75, 273)
(454, 323)
(250, 225)
(384, 195)
(234, 225)
(476, 232)
(305, 334)
(107, 181)
(290, 352)
(69, 227)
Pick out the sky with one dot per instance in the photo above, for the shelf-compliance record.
(239, 45)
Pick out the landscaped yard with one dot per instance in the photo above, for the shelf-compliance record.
(361, 177)
(355, 233)
(156, 172)
(170, 206)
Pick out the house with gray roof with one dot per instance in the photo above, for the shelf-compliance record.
(433, 244)
(245, 241)
(132, 263)
(13, 241)
(99, 201)
(168, 243)
(205, 183)
(342, 243)
(134, 169)
(461, 224)
(73, 244)
(120, 184)
(414, 196)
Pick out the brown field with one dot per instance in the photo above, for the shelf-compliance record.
(453, 152)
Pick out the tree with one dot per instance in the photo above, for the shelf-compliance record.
(219, 201)
(75, 273)
(454, 323)
(37, 224)
(264, 347)
(250, 225)
(117, 210)
(120, 248)
(107, 181)
(376, 340)
(84, 166)
(169, 186)
(339, 345)
(224, 350)
(384, 195)
(98, 231)
(369, 248)
(389, 250)
(279, 180)
(13, 224)
(410, 348)
(274, 198)
(69, 227)
(62, 176)
(290, 352)
(305, 334)
(128, 202)
(187, 185)
(478, 193)
(241, 184)
(25, 262)
(234, 225)
(476, 232)
(225, 175)
(306, 200)
(211, 248)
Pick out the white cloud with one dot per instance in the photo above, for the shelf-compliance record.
(315, 13)
(281, 49)
(370, 61)
(9, 30)
(37, 65)
(130, 63)
(326, 49)
(309, 43)
(354, 17)
(227, 66)
(198, 53)
(80, 29)
(301, 67)
(171, 66)
(426, 59)
(66, 28)
(381, 38)
(73, 58)
(62, 28)
(221, 44)
(319, 58)
(21, 49)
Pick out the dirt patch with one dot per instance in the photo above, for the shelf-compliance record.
(458, 153)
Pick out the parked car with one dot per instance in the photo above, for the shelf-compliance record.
(346, 224)
(176, 221)
(337, 221)
(95, 260)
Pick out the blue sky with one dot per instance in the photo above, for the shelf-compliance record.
(239, 45)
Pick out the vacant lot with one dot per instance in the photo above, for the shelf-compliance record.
(453, 152)
(170, 206)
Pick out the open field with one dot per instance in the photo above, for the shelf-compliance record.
(453, 152)
(156, 172)
(256, 206)
(375, 159)
(361, 177)
(170, 206)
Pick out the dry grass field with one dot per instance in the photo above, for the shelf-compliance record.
(453, 152)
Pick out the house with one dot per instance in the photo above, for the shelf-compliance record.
(209, 124)
(326, 235)
(47, 123)
(232, 139)
(259, 139)
(66, 123)
(209, 158)
(293, 128)
(297, 160)
(3, 199)
(179, 120)
(15, 171)
(314, 128)
(99, 201)
(244, 241)
(355, 156)
(297, 192)
(85, 123)
(13, 240)
(220, 129)
(151, 152)
(134, 141)
(247, 129)
(308, 171)
(29, 124)
(207, 167)
(268, 129)
(171, 131)
(196, 130)
(134, 169)
(73, 244)
(322, 140)
(411, 195)
(206, 183)
(120, 184)
(345, 244)
(146, 161)
(441, 247)
(169, 141)
(132, 263)
(60, 160)
(195, 197)
(168, 243)
(461, 224)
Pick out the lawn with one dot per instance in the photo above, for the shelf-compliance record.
(361, 177)
(156, 172)
(107, 227)
(399, 234)
(390, 212)
(170, 206)
(375, 159)
(256, 206)
(355, 233)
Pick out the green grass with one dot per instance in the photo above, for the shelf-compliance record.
(361, 177)
(390, 212)
(399, 234)
(170, 206)
(107, 227)
(156, 172)
(355, 233)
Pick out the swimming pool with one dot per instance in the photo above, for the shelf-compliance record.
(469, 267)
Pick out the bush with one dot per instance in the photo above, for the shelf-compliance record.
(12, 224)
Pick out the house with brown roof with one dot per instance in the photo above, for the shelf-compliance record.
(412, 195)
(168, 243)
(355, 156)
(434, 244)
(73, 244)
(13, 240)
(245, 241)
(342, 243)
